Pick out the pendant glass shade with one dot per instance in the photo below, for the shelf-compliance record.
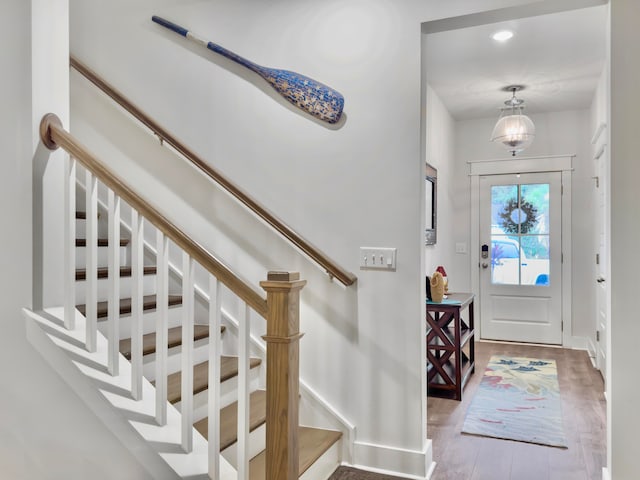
(514, 130)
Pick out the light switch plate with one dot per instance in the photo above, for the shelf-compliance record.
(377, 258)
(461, 247)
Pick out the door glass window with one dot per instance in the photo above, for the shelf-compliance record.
(520, 234)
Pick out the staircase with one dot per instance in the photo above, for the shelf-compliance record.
(313, 443)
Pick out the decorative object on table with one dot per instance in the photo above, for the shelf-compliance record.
(442, 272)
(518, 399)
(307, 94)
(437, 287)
(514, 129)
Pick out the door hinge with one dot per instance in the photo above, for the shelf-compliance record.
(562, 258)
(597, 335)
(597, 259)
(562, 326)
(561, 189)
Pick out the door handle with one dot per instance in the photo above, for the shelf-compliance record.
(485, 264)
(600, 279)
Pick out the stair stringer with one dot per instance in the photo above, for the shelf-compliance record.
(157, 448)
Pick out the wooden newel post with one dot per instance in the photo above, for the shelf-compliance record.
(283, 335)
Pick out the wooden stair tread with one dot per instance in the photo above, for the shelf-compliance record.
(148, 303)
(102, 242)
(312, 443)
(228, 369)
(103, 272)
(174, 339)
(229, 419)
(83, 215)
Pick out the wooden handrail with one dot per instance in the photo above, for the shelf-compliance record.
(53, 135)
(331, 267)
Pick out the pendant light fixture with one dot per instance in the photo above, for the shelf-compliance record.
(514, 129)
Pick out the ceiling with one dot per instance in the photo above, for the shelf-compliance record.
(558, 57)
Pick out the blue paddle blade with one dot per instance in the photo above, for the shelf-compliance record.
(319, 100)
(305, 93)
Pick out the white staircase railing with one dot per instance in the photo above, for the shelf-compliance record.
(280, 308)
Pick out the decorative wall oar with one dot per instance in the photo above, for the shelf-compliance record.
(307, 94)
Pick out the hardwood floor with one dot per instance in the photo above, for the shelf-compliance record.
(350, 473)
(467, 457)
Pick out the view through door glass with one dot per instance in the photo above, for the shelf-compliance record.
(520, 234)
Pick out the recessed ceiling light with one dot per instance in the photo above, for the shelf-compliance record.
(502, 35)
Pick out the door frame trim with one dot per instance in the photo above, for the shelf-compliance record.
(505, 166)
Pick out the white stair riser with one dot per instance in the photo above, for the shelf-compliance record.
(228, 394)
(103, 256)
(257, 443)
(81, 228)
(324, 467)
(174, 360)
(148, 322)
(148, 285)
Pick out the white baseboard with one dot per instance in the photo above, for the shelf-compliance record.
(578, 343)
(411, 464)
(431, 470)
(591, 350)
(605, 474)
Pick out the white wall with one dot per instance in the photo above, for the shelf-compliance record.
(623, 391)
(361, 185)
(599, 105)
(49, 93)
(557, 133)
(357, 186)
(363, 181)
(440, 152)
(47, 431)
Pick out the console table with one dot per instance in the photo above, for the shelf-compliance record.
(450, 345)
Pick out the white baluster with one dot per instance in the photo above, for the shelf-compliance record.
(215, 314)
(137, 292)
(243, 395)
(113, 327)
(70, 244)
(162, 311)
(186, 402)
(91, 299)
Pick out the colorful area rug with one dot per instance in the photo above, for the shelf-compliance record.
(518, 399)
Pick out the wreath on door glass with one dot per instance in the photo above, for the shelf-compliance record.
(514, 215)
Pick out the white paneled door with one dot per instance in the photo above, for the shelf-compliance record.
(601, 261)
(520, 261)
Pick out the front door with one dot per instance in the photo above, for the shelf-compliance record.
(520, 264)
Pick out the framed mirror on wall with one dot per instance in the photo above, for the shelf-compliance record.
(431, 193)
